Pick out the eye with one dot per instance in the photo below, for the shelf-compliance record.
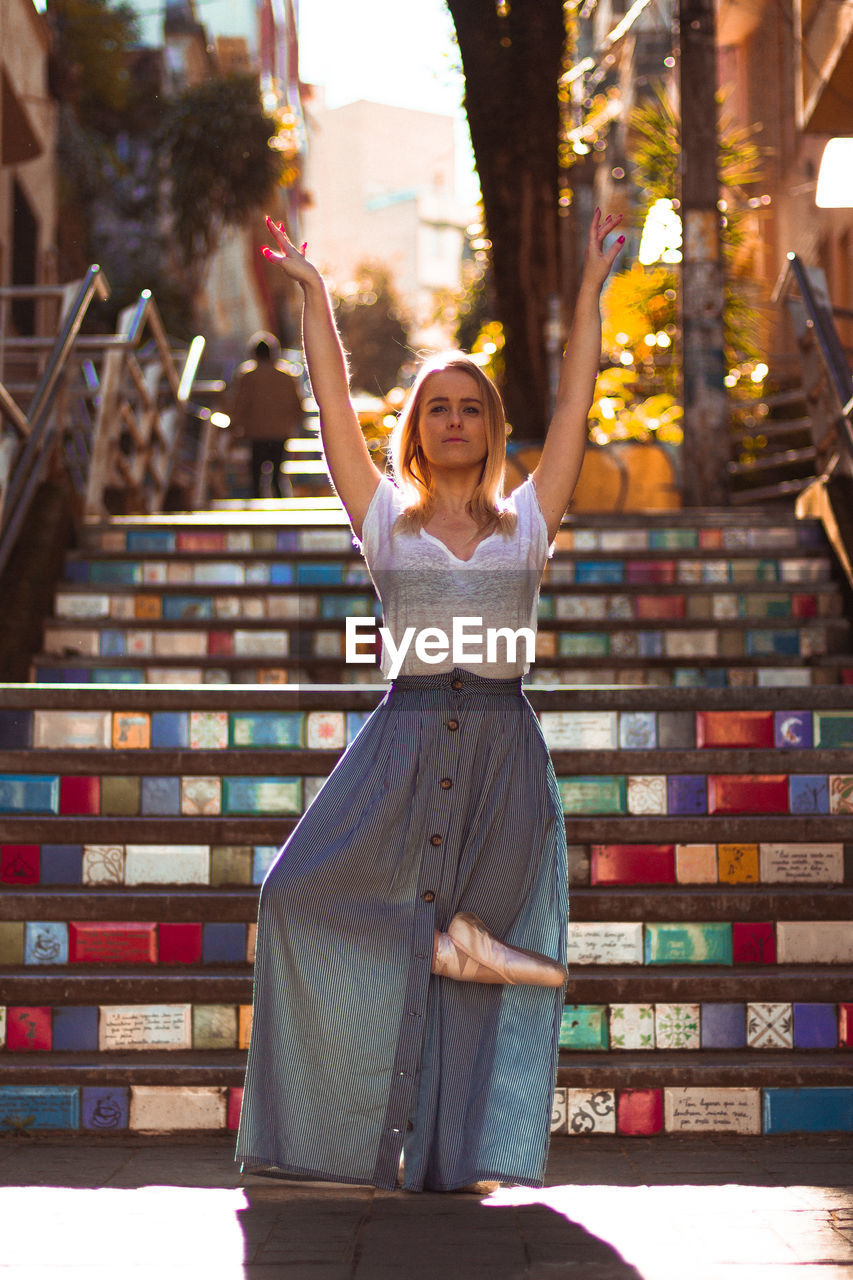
(437, 408)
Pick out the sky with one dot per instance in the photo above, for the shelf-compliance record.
(396, 51)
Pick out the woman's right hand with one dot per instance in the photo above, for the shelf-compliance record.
(288, 256)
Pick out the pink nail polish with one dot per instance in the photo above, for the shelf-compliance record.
(266, 252)
(621, 239)
(304, 247)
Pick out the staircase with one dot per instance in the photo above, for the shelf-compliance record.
(693, 683)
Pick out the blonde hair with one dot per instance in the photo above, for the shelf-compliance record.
(411, 467)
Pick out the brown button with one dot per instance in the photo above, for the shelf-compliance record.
(429, 896)
(453, 724)
(456, 684)
(446, 784)
(435, 840)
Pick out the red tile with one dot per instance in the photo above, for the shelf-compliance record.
(180, 943)
(753, 943)
(112, 942)
(650, 571)
(845, 1026)
(79, 795)
(734, 729)
(201, 542)
(235, 1102)
(639, 1111)
(28, 1028)
(804, 606)
(632, 864)
(847, 675)
(748, 793)
(20, 863)
(220, 644)
(660, 608)
(710, 539)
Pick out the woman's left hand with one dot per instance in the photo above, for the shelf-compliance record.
(597, 259)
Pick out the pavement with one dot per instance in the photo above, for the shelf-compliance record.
(691, 1208)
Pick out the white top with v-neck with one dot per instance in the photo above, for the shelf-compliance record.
(421, 584)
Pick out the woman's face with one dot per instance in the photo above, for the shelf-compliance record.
(452, 423)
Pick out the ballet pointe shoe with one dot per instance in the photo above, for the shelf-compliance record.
(469, 953)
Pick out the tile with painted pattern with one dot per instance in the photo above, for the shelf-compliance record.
(769, 1026)
(677, 1026)
(103, 864)
(737, 863)
(802, 863)
(841, 793)
(808, 793)
(688, 943)
(594, 795)
(201, 796)
(104, 1107)
(46, 942)
(592, 1111)
(131, 730)
(268, 729)
(208, 730)
(326, 730)
(559, 1111)
(792, 729)
(637, 730)
(646, 794)
(632, 1026)
(20, 864)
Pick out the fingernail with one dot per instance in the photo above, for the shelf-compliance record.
(266, 252)
(304, 247)
(621, 240)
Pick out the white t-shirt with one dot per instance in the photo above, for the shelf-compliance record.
(423, 585)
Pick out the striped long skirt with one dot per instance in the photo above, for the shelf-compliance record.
(445, 801)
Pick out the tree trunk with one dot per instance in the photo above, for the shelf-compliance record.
(511, 65)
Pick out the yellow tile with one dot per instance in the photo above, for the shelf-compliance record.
(738, 863)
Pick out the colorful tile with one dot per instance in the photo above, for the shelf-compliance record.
(131, 730)
(230, 864)
(686, 794)
(103, 864)
(734, 729)
(46, 942)
(244, 1025)
(104, 1107)
(592, 1111)
(833, 728)
(27, 1029)
(808, 793)
(677, 1026)
(814, 941)
(748, 793)
(11, 942)
(708, 1110)
(62, 730)
(326, 730)
(208, 730)
(632, 864)
(792, 729)
(559, 1111)
(160, 796)
(120, 796)
(75, 1029)
(584, 1026)
(179, 943)
(841, 793)
(815, 1026)
(263, 857)
(737, 863)
(845, 1026)
(637, 730)
(262, 795)
(201, 797)
(696, 863)
(594, 943)
(223, 943)
(49, 1106)
(639, 1112)
(688, 943)
(646, 794)
(753, 942)
(268, 729)
(167, 864)
(632, 1026)
(818, 1110)
(20, 863)
(594, 795)
(170, 1108)
(99, 942)
(769, 1026)
(26, 793)
(79, 796)
(723, 1026)
(144, 1026)
(805, 863)
(579, 730)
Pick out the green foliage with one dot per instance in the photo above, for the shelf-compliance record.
(214, 147)
(374, 330)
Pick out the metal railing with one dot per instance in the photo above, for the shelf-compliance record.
(114, 406)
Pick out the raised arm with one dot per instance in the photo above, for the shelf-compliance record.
(559, 466)
(353, 472)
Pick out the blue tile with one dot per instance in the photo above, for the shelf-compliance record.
(637, 730)
(780, 644)
(34, 1106)
(603, 572)
(817, 1110)
(808, 793)
(263, 856)
(287, 540)
(356, 721)
(267, 728)
(715, 678)
(347, 606)
(123, 573)
(792, 729)
(16, 729)
(815, 1026)
(46, 942)
(62, 675)
(118, 675)
(29, 793)
(180, 608)
(161, 796)
(686, 793)
(281, 575)
(170, 729)
(62, 864)
(149, 540)
(77, 571)
(112, 644)
(105, 1107)
(688, 678)
(683, 943)
(257, 575)
(650, 644)
(723, 1026)
(318, 574)
(76, 1028)
(223, 944)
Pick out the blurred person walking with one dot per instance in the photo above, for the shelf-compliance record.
(265, 409)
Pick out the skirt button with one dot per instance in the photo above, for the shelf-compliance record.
(456, 684)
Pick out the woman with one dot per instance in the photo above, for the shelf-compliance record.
(409, 973)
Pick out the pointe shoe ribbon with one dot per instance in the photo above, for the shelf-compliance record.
(469, 953)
